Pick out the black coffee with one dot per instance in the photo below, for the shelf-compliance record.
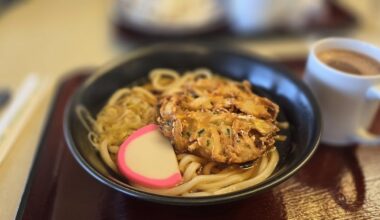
(350, 61)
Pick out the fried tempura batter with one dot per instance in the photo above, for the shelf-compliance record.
(219, 119)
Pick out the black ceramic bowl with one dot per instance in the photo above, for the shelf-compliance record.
(297, 104)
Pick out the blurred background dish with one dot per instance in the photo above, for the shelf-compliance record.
(170, 17)
(247, 16)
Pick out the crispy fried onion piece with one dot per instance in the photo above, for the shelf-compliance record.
(219, 119)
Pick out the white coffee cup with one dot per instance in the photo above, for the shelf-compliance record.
(348, 102)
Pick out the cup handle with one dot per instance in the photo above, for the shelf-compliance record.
(362, 135)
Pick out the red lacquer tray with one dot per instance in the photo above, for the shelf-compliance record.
(337, 183)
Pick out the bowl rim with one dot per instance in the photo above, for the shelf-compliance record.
(192, 201)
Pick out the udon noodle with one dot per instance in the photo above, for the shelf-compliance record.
(129, 109)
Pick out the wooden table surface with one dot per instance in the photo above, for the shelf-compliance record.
(54, 37)
(337, 183)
